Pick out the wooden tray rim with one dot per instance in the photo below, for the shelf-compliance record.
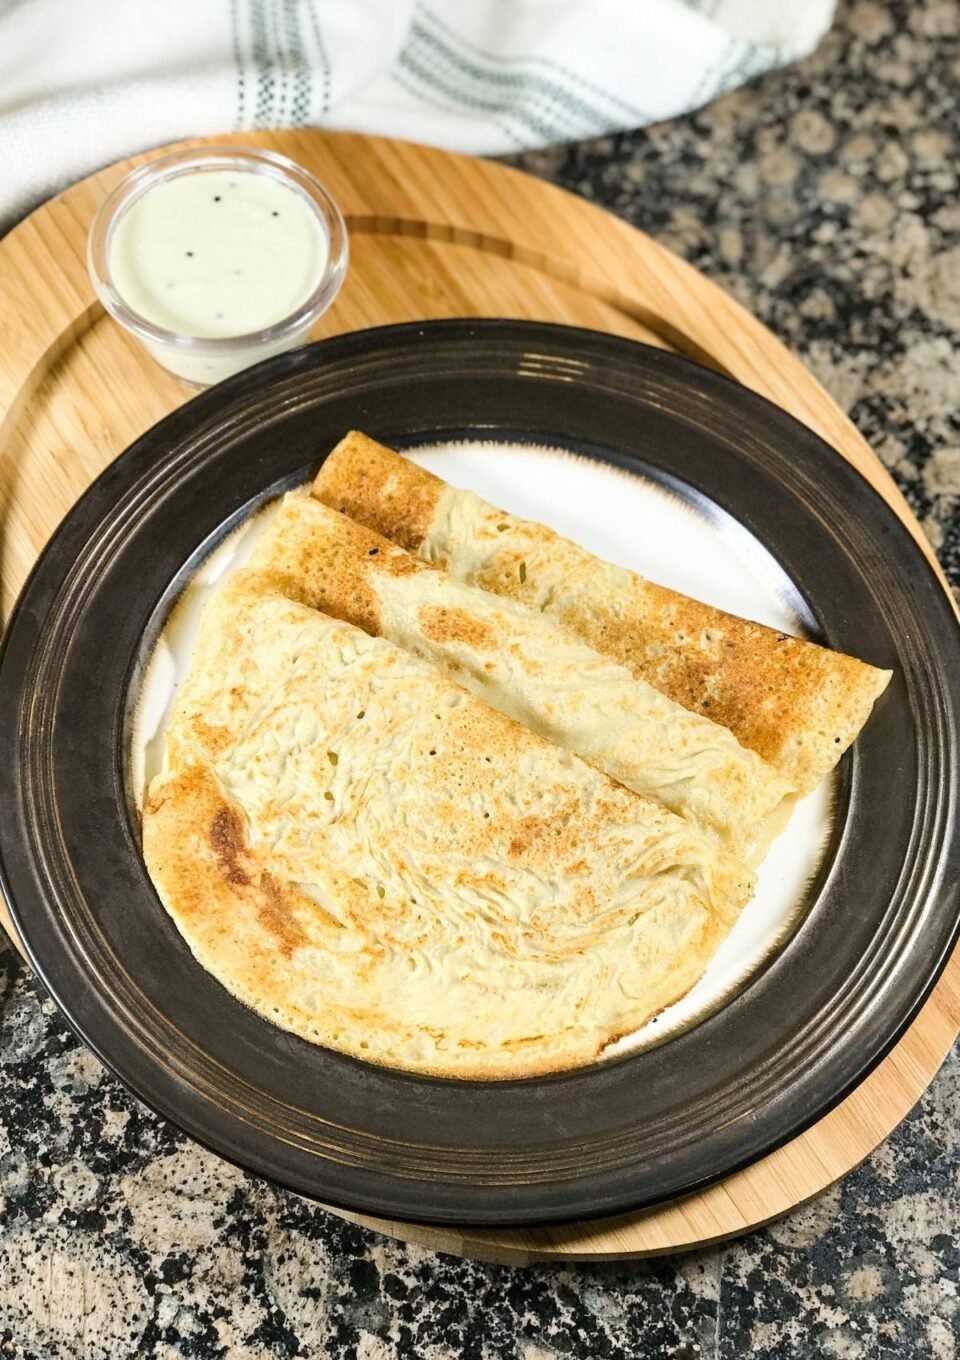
(50, 312)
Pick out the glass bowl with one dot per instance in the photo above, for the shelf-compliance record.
(197, 359)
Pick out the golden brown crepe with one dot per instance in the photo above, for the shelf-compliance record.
(799, 706)
(377, 861)
(520, 662)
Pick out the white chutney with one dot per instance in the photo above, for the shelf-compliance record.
(218, 253)
(217, 259)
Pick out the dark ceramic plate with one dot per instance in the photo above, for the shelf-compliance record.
(600, 1140)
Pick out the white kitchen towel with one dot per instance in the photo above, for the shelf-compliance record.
(84, 82)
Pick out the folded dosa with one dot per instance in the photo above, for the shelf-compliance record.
(522, 663)
(374, 859)
(799, 706)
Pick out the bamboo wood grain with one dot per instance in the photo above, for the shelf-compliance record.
(438, 235)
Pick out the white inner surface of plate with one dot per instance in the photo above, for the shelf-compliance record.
(622, 517)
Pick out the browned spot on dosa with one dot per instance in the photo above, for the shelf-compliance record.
(275, 912)
(215, 738)
(229, 844)
(553, 837)
(352, 478)
(454, 625)
(272, 904)
(318, 557)
(397, 562)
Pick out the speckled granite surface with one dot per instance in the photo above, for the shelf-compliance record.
(825, 198)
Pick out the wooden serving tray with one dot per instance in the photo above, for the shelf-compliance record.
(437, 235)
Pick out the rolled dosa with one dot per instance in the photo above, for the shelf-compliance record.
(796, 704)
(526, 666)
(376, 860)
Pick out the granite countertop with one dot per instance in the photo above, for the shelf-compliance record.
(825, 199)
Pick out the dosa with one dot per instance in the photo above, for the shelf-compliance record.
(374, 859)
(796, 704)
(522, 663)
